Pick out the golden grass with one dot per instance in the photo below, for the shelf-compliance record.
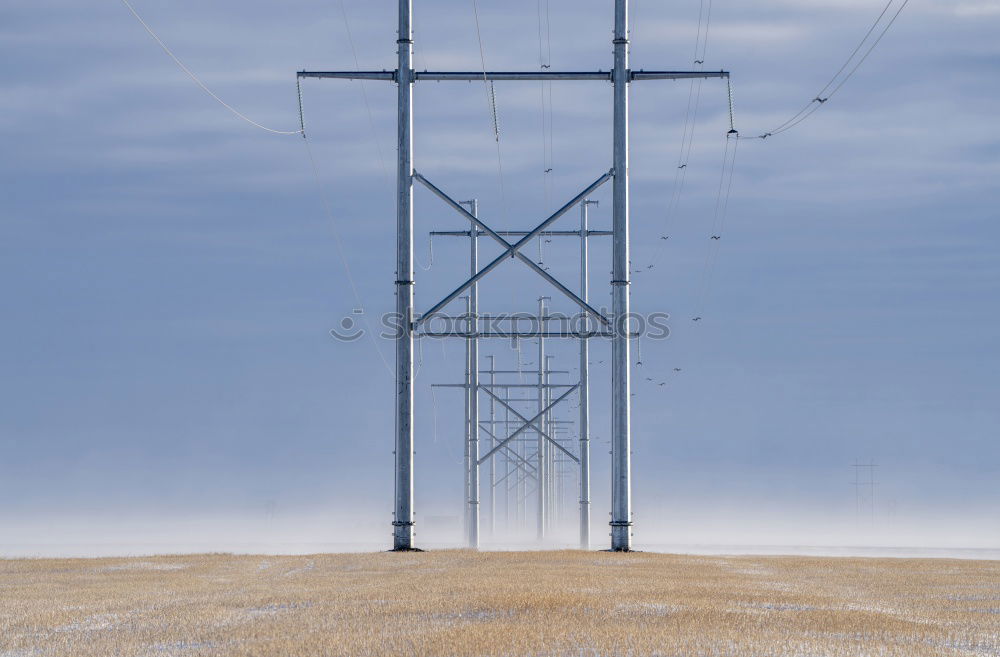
(458, 603)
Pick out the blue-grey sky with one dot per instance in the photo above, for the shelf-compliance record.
(170, 274)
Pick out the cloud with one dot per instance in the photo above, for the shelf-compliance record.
(736, 34)
(976, 9)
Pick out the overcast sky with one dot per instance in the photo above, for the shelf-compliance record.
(170, 274)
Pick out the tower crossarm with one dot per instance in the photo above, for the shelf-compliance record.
(510, 76)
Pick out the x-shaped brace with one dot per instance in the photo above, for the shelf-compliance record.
(533, 423)
(519, 474)
(521, 461)
(513, 250)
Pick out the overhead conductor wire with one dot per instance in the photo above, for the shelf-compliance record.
(198, 81)
(545, 32)
(371, 116)
(720, 215)
(491, 99)
(312, 160)
(338, 242)
(688, 131)
(364, 92)
(833, 86)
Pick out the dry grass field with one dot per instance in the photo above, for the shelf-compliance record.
(444, 604)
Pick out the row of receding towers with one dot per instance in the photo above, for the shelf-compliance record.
(529, 451)
(414, 325)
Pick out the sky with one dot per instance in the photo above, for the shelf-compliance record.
(170, 274)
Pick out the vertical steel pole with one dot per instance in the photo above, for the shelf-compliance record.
(555, 515)
(506, 471)
(403, 513)
(513, 492)
(621, 440)
(474, 383)
(550, 506)
(541, 471)
(492, 442)
(467, 431)
(585, 382)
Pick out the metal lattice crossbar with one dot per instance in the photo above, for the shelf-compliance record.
(533, 423)
(513, 250)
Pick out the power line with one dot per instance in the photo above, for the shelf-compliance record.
(328, 207)
(364, 91)
(720, 215)
(723, 197)
(548, 52)
(198, 81)
(688, 132)
(810, 104)
(545, 62)
(820, 99)
(708, 24)
(371, 120)
(719, 219)
(683, 164)
(491, 99)
(836, 82)
(312, 161)
(691, 117)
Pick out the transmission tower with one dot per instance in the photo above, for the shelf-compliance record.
(412, 324)
(864, 490)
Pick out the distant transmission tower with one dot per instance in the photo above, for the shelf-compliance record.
(864, 491)
(414, 325)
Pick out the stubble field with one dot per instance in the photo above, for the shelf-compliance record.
(519, 604)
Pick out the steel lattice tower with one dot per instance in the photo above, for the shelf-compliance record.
(615, 327)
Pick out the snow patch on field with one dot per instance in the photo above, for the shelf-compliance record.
(972, 598)
(274, 609)
(177, 648)
(751, 569)
(648, 609)
(96, 623)
(475, 615)
(777, 606)
(981, 648)
(142, 565)
(298, 571)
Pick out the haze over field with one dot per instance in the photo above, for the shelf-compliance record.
(170, 276)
